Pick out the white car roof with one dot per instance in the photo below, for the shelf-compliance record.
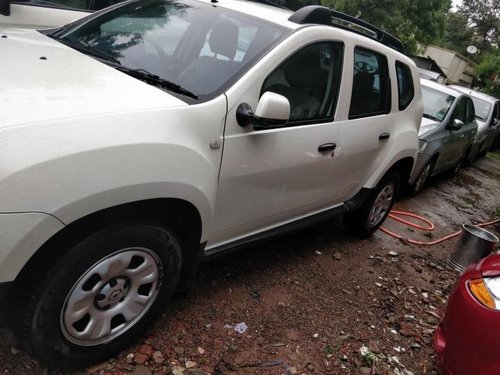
(280, 16)
(475, 93)
(440, 87)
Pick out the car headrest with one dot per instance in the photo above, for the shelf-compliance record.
(223, 39)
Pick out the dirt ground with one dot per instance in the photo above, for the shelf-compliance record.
(315, 302)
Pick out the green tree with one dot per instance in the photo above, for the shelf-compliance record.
(484, 18)
(416, 23)
(488, 71)
(458, 34)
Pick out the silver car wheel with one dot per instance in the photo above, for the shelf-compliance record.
(111, 296)
(423, 176)
(381, 205)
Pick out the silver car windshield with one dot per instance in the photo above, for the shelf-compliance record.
(436, 103)
(200, 47)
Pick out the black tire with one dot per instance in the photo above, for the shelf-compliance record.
(119, 276)
(453, 172)
(370, 216)
(422, 178)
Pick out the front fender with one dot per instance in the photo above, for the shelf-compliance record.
(70, 170)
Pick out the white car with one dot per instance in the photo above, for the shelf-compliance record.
(488, 120)
(47, 13)
(140, 141)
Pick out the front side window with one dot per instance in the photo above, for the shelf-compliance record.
(470, 116)
(197, 46)
(371, 86)
(405, 85)
(309, 79)
(436, 103)
(460, 111)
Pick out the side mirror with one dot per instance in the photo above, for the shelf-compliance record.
(456, 124)
(273, 111)
(5, 7)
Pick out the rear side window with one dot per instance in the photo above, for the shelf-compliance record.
(406, 90)
(371, 93)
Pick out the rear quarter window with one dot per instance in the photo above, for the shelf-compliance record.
(406, 90)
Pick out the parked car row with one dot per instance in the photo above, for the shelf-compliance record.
(487, 110)
(458, 124)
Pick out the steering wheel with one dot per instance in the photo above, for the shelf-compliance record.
(364, 67)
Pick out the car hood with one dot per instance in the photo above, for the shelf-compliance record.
(426, 125)
(43, 79)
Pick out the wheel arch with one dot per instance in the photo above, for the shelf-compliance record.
(404, 167)
(179, 215)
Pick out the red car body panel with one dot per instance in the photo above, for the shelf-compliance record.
(467, 341)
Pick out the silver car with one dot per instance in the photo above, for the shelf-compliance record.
(488, 121)
(446, 133)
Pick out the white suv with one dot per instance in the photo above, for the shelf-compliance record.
(140, 141)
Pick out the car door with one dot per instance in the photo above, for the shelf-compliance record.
(455, 141)
(271, 177)
(368, 132)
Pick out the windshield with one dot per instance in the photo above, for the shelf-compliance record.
(199, 47)
(482, 108)
(436, 103)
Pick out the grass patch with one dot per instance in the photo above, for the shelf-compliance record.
(470, 201)
(497, 211)
(494, 155)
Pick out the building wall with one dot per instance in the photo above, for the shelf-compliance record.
(458, 68)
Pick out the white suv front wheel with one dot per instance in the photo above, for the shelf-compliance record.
(368, 218)
(99, 297)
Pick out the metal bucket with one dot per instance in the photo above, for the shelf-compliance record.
(474, 244)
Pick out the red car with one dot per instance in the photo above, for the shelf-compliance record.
(467, 340)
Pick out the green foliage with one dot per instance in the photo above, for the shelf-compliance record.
(488, 70)
(458, 34)
(417, 23)
(484, 18)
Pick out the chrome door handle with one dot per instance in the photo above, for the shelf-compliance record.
(327, 147)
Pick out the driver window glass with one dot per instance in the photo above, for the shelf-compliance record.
(309, 79)
(460, 111)
(471, 114)
(371, 85)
